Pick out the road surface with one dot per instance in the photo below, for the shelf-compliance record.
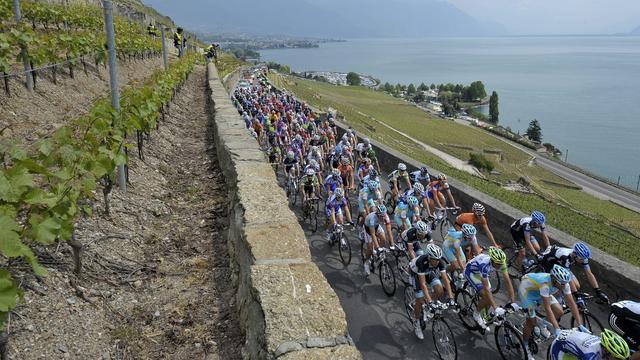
(378, 324)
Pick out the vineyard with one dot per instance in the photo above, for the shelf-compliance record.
(44, 186)
(54, 36)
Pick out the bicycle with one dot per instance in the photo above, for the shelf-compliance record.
(443, 222)
(379, 261)
(390, 202)
(291, 188)
(443, 338)
(467, 297)
(310, 210)
(344, 247)
(589, 320)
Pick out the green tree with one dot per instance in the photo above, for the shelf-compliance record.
(494, 113)
(285, 69)
(534, 131)
(353, 79)
(420, 97)
(475, 91)
(433, 86)
(411, 89)
(423, 87)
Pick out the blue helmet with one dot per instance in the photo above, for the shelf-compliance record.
(582, 250)
(538, 217)
(413, 201)
(381, 209)
(373, 184)
(468, 230)
(338, 149)
(560, 274)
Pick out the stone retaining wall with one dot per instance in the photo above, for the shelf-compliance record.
(287, 308)
(616, 277)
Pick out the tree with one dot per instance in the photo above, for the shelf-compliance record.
(420, 97)
(353, 79)
(423, 87)
(534, 131)
(476, 91)
(411, 89)
(433, 86)
(493, 108)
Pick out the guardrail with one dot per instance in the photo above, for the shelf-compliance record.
(287, 308)
(614, 275)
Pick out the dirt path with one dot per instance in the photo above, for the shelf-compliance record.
(156, 282)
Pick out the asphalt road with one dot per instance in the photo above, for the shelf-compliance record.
(377, 323)
(590, 185)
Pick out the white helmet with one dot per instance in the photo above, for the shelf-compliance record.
(402, 167)
(310, 172)
(335, 172)
(418, 188)
(422, 228)
(366, 141)
(313, 163)
(434, 251)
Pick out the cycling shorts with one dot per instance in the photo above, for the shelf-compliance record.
(519, 241)
(330, 210)
(531, 302)
(418, 290)
(399, 221)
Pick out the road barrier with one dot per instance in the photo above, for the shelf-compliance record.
(287, 308)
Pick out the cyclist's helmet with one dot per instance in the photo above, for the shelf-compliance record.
(345, 161)
(560, 274)
(413, 201)
(614, 344)
(338, 150)
(290, 154)
(582, 250)
(366, 141)
(367, 162)
(339, 193)
(372, 185)
(468, 230)
(310, 172)
(299, 138)
(442, 177)
(434, 251)
(335, 172)
(381, 209)
(313, 163)
(422, 228)
(478, 209)
(314, 149)
(316, 137)
(538, 217)
(373, 173)
(418, 188)
(497, 255)
(402, 167)
(424, 170)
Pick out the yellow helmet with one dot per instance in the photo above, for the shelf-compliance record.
(614, 344)
(497, 255)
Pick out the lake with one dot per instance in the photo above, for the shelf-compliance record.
(585, 91)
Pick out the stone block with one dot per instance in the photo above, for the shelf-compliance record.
(342, 352)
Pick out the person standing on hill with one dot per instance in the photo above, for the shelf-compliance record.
(179, 41)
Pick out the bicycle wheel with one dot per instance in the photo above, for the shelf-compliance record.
(313, 220)
(444, 340)
(344, 249)
(409, 302)
(387, 278)
(509, 342)
(402, 264)
(495, 279)
(515, 272)
(590, 322)
(467, 303)
(445, 225)
(389, 202)
(295, 193)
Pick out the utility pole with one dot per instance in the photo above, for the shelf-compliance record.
(113, 77)
(23, 50)
(566, 155)
(638, 184)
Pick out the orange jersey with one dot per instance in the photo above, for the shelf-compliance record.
(345, 170)
(470, 218)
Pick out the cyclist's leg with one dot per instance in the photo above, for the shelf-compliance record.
(435, 286)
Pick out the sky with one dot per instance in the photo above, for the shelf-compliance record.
(556, 16)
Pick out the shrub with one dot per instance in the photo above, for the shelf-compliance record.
(481, 162)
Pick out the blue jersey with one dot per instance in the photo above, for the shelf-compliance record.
(481, 265)
(332, 182)
(335, 204)
(573, 344)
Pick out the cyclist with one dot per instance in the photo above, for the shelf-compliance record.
(367, 198)
(372, 175)
(418, 191)
(477, 274)
(538, 289)
(363, 170)
(413, 214)
(395, 178)
(316, 167)
(335, 207)
(521, 234)
(332, 182)
(274, 155)
(315, 154)
(436, 198)
(418, 233)
(477, 218)
(310, 185)
(346, 173)
(624, 319)
(363, 147)
(401, 216)
(427, 271)
(371, 154)
(378, 231)
(566, 257)
(291, 163)
(454, 244)
(572, 344)
(421, 175)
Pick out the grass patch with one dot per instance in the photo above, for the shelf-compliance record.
(597, 222)
(227, 63)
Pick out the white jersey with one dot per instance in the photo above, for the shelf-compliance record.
(632, 306)
(572, 344)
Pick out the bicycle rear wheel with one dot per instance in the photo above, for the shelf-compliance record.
(409, 302)
(387, 278)
(509, 342)
(445, 225)
(495, 279)
(402, 264)
(467, 303)
(590, 322)
(444, 340)
(344, 249)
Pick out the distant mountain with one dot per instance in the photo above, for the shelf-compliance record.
(328, 18)
(635, 31)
